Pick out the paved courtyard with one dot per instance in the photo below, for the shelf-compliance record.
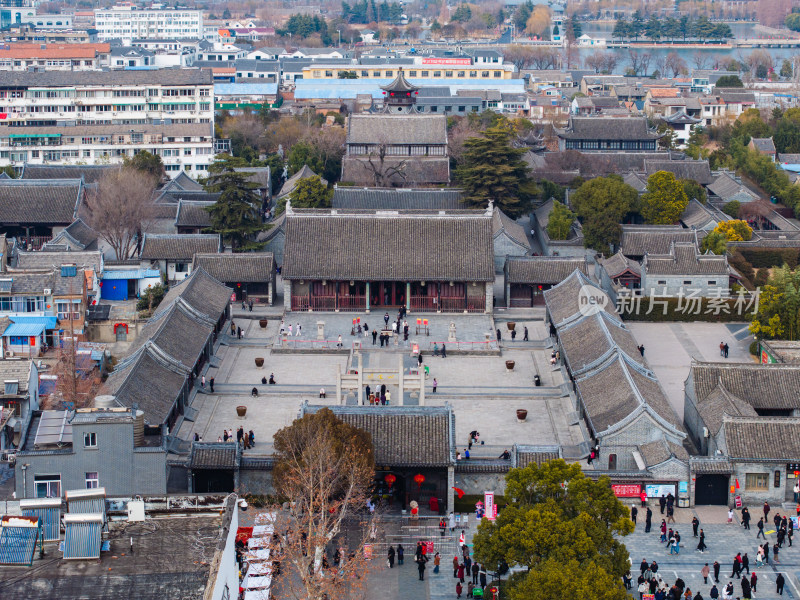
(671, 347)
(723, 542)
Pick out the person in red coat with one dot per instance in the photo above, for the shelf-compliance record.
(461, 573)
(459, 589)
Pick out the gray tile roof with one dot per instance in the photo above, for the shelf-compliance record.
(89, 173)
(725, 187)
(608, 128)
(192, 213)
(176, 246)
(564, 300)
(619, 388)
(503, 224)
(16, 369)
(763, 145)
(685, 259)
(174, 196)
(527, 455)
(786, 351)
(289, 184)
(183, 181)
(789, 158)
(721, 402)
(170, 77)
(32, 283)
(406, 246)
(46, 202)
(397, 129)
(762, 438)
(773, 386)
(699, 216)
(420, 171)
(396, 198)
(202, 292)
(736, 95)
(403, 436)
(54, 260)
(589, 341)
(619, 263)
(78, 236)
(636, 182)
(261, 176)
(542, 269)
(697, 170)
(638, 240)
(251, 267)
(150, 380)
(213, 456)
(661, 450)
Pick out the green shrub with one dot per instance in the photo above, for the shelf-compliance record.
(152, 297)
(754, 348)
(769, 258)
(762, 276)
(732, 208)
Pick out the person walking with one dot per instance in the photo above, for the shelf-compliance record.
(745, 587)
(391, 557)
(436, 561)
(648, 520)
(461, 572)
(634, 513)
(483, 576)
(746, 563)
(400, 554)
(475, 569)
(716, 571)
(662, 503)
(775, 553)
(374, 336)
(386, 319)
(704, 572)
(455, 566)
(670, 513)
(746, 518)
(421, 567)
(695, 525)
(766, 511)
(435, 383)
(726, 349)
(753, 581)
(444, 351)
(714, 593)
(499, 337)
(459, 589)
(761, 529)
(779, 583)
(737, 566)
(663, 531)
(525, 339)
(211, 384)
(702, 545)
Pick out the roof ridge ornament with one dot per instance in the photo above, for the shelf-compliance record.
(490, 208)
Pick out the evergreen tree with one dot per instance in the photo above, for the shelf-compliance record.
(494, 170)
(665, 199)
(577, 28)
(235, 214)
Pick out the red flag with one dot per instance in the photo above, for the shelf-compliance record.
(737, 483)
(459, 491)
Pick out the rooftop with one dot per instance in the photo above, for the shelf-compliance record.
(176, 246)
(638, 240)
(49, 202)
(771, 386)
(250, 267)
(543, 269)
(608, 128)
(684, 258)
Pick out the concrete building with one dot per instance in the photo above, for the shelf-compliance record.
(129, 21)
(172, 254)
(608, 134)
(684, 271)
(90, 448)
(19, 401)
(101, 117)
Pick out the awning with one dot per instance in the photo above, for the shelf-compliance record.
(49, 322)
(137, 274)
(24, 329)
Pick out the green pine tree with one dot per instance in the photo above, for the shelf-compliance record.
(494, 170)
(235, 216)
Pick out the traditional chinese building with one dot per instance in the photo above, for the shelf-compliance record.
(357, 260)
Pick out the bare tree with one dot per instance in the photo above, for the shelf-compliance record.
(675, 64)
(518, 55)
(700, 60)
(595, 61)
(610, 63)
(328, 141)
(635, 61)
(660, 63)
(325, 468)
(383, 167)
(456, 137)
(544, 58)
(121, 208)
(644, 61)
(756, 211)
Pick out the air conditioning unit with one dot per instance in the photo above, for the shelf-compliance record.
(9, 354)
(47, 291)
(8, 457)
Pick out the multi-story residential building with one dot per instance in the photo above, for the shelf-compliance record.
(424, 67)
(101, 117)
(53, 57)
(127, 22)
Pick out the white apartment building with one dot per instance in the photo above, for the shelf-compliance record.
(101, 117)
(129, 22)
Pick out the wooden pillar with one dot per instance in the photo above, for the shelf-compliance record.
(367, 296)
(408, 295)
(336, 296)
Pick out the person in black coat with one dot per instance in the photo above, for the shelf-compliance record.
(779, 583)
(391, 557)
(716, 571)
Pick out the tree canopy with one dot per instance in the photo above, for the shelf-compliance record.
(235, 215)
(729, 81)
(492, 169)
(560, 221)
(778, 315)
(309, 192)
(601, 204)
(665, 199)
(560, 527)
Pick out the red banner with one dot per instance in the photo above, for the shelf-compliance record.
(447, 61)
(626, 490)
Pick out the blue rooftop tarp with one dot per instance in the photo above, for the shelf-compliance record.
(18, 544)
(48, 321)
(137, 274)
(24, 329)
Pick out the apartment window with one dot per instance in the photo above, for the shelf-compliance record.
(484, 73)
(69, 310)
(47, 486)
(181, 267)
(462, 108)
(376, 73)
(461, 74)
(448, 73)
(777, 479)
(90, 440)
(712, 282)
(412, 73)
(498, 73)
(473, 73)
(92, 481)
(437, 73)
(756, 482)
(390, 73)
(687, 282)
(434, 108)
(328, 73)
(425, 73)
(662, 282)
(365, 73)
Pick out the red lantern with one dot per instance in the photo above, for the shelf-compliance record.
(390, 479)
(419, 479)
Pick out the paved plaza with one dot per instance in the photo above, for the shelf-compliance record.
(671, 347)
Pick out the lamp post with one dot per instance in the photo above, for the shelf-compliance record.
(339, 31)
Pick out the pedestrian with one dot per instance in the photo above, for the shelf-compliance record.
(746, 563)
(366, 329)
(435, 383)
(641, 349)
(513, 335)
(203, 382)
(233, 328)
(695, 525)
(727, 348)
(704, 572)
(761, 529)
(455, 566)
(722, 348)
(391, 557)
(702, 545)
(374, 336)
(663, 531)
(461, 572)
(775, 553)
(779, 583)
(670, 513)
(452, 523)
(634, 512)
(442, 527)
(368, 390)
(796, 491)
(753, 581)
(290, 330)
(745, 587)
(252, 437)
(746, 518)
(525, 334)
(716, 571)
(444, 351)
(272, 378)
(498, 336)
(211, 384)
(436, 560)
(714, 593)
(239, 332)
(322, 392)
(737, 566)
(662, 503)
(648, 520)
(475, 569)
(250, 304)
(459, 589)
(421, 567)
(730, 516)
(790, 533)
(386, 319)
(483, 576)
(766, 510)
(400, 553)
(298, 330)
(339, 341)
(254, 392)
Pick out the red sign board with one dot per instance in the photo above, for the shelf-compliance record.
(626, 490)
(447, 61)
(428, 547)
